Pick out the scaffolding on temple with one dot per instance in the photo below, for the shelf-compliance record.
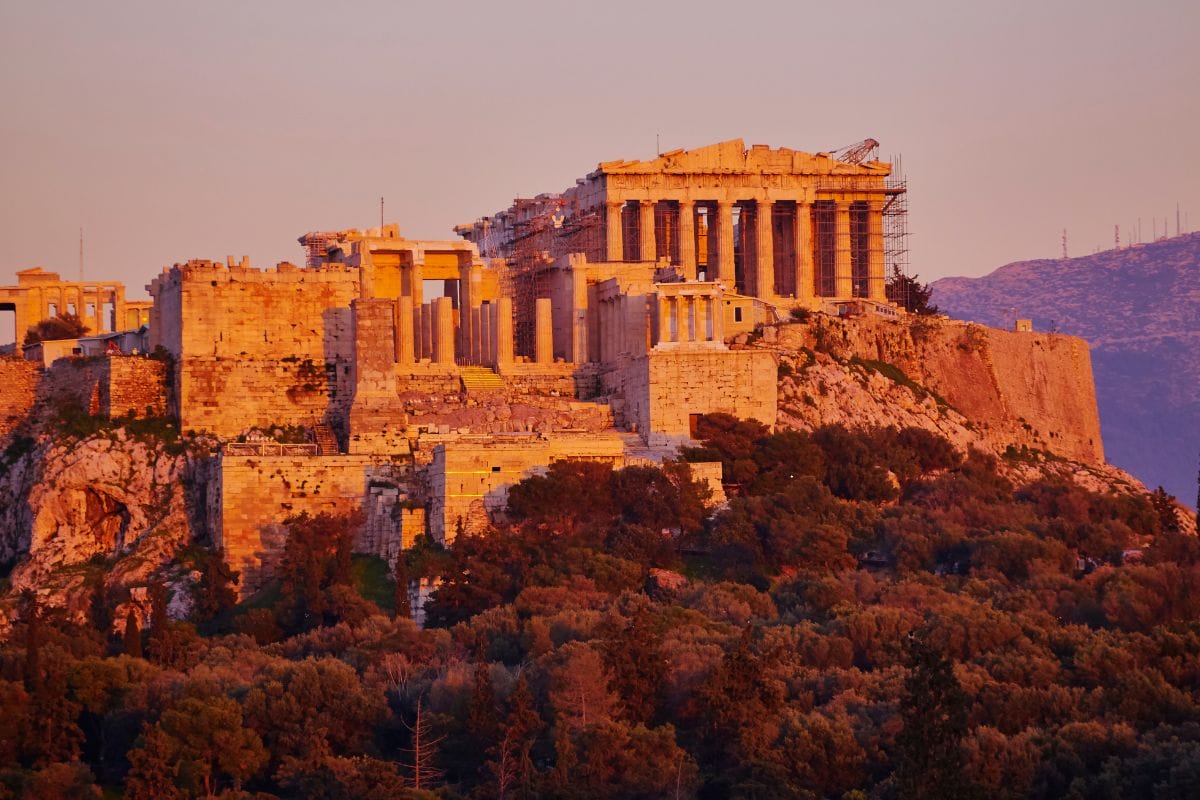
(316, 246)
(540, 230)
(895, 234)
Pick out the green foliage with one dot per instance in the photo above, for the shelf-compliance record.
(963, 637)
(909, 292)
(64, 326)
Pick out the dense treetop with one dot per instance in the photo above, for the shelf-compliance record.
(871, 614)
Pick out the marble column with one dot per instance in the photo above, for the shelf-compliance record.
(443, 337)
(845, 281)
(543, 338)
(646, 230)
(876, 269)
(764, 252)
(504, 332)
(687, 239)
(805, 289)
(612, 229)
(404, 331)
(724, 266)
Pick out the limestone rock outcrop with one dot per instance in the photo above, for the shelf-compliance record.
(109, 502)
(1139, 310)
(1027, 390)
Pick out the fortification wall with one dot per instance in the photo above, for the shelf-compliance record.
(1022, 389)
(134, 384)
(258, 492)
(18, 390)
(256, 347)
(109, 386)
(664, 388)
(227, 396)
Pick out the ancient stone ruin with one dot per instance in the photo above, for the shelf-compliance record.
(429, 376)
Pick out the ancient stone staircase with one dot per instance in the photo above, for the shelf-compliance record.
(480, 380)
(326, 441)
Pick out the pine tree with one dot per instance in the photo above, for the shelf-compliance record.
(216, 593)
(511, 764)
(99, 611)
(403, 602)
(930, 762)
(133, 635)
(33, 641)
(162, 646)
(482, 721)
(1164, 508)
(909, 293)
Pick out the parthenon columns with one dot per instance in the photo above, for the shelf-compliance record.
(845, 282)
(764, 247)
(875, 266)
(646, 230)
(805, 288)
(613, 235)
(724, 264)
(687, 239)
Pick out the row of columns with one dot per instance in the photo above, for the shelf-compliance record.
(689, 318)
(764, 261)
(427, 332)
(612, 327)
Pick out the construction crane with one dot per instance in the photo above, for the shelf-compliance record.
(857, 153)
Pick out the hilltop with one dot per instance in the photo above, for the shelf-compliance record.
(1139, 309)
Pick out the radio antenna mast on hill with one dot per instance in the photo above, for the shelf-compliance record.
(1064, 244)
(1116, 237)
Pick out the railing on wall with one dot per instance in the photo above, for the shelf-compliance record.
(269, 449)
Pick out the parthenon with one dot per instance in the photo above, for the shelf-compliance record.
(771, 224)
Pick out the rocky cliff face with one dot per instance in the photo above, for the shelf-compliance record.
(1139, 309)
(109, 505)
(1031, 391)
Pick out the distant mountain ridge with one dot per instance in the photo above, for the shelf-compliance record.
(1139, 309)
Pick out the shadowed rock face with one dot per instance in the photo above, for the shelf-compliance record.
(1139, 309)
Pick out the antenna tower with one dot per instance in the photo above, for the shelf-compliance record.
(1064, 242)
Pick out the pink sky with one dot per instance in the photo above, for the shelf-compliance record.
(171, 131)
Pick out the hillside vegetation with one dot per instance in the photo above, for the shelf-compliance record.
(873, 614)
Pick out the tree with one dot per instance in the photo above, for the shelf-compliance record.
(99, 611)
(930, 761)
(133, 635)
(33, 641)
(216, 592)
(909, 292)
(1164, 509)
(162, 644)
(198, 745)
(403, 604)
(510, 763)
(423, 752)
(482, 720)
(64, 326)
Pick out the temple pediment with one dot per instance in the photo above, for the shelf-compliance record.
(732, 157)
